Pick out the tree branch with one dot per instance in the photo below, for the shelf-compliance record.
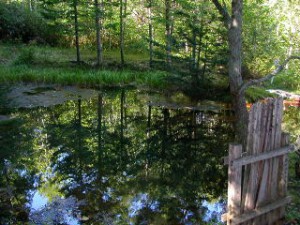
(268, 77)
(222, 10)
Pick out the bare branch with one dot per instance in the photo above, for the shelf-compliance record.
(222, 10)
(268, 77)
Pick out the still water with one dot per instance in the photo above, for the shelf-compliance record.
(117, 157)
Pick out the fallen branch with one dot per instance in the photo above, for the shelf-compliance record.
(268, 77)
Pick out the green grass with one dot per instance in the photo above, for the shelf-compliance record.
(24, 63)
(31, 63)
(81, 77)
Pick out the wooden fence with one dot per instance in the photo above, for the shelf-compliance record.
(257, 177)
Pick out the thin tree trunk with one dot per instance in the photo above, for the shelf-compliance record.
(122, 29)
(168, 19)
(98, 22)
(194, 49)
(75, 4)
(150, 33)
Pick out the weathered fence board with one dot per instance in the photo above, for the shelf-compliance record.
(259, 194)
(260, 211)
(242, 161)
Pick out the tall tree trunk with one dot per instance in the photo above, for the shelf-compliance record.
(194, 49)
(150, 33)
(234, 25)
(123, 4)
(98, 22)
(75, 4)
(235, 71)
(168, 33)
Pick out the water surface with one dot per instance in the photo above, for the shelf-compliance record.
(114, 157)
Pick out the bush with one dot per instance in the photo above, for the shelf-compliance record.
(26, 57)
(18, 23)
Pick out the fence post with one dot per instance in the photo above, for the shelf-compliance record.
(234, 183)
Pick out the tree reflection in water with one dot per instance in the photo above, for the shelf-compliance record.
(123, 160)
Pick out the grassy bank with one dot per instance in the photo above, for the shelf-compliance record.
(53, 65)
(81, 77)
(44, 64)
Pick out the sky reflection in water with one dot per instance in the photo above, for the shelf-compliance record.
(115, 159)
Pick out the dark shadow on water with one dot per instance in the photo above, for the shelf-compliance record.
(114, 159)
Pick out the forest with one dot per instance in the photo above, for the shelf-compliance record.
(183, 43)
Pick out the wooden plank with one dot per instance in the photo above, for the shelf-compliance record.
(276, 215)
(283, 174)
(261, 156)
(246, 174)
(234, 182)
(263, 166)
(252, 183)
(263, 190)
(259, 211)
(262, 147)
(277, 143)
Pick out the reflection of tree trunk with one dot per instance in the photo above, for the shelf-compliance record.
(99, 129)
(166, 115)
(123, 152)
(100, 111)
(79, 112)
(148, 137)
(79, 133)
(193, 126)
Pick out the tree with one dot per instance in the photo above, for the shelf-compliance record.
(169, 25)
(123, 9)
(76, 26)
(98, 22)
(234, 26)
(150, 32)
(237, 85)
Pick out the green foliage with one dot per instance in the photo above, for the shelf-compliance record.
(18, 23)
(254, 94)
(26, 56)
(288, 80)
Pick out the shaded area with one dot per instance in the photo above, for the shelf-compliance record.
(118, 159)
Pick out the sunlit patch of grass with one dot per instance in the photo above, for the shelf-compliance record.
(79, 76)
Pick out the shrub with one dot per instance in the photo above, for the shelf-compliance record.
(26, 57)
(18, 23)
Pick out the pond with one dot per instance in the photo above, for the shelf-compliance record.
(111, 157)
(117, 156)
